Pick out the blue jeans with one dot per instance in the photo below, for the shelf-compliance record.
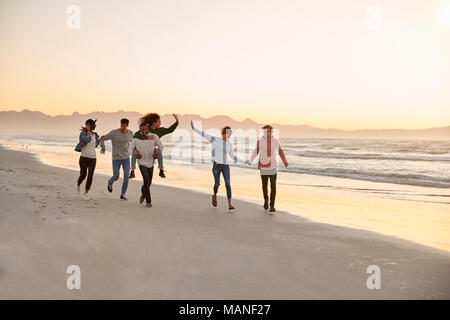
(125, 163)
(160, 159)
(147, 175)
(225, 170)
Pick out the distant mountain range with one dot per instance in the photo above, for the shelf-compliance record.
(35, 122)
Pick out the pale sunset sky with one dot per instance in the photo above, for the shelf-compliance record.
(348, 64)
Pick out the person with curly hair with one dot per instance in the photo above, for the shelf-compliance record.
(153, 121)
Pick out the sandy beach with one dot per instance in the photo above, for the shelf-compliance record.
(182, 248)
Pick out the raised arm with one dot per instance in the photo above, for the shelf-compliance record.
(164, 131)
(202, 133)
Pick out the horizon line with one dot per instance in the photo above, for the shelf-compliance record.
(223, 115)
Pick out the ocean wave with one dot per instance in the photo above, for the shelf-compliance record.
(368, 156)
(396, 178)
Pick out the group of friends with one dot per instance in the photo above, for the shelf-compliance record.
(145, 147)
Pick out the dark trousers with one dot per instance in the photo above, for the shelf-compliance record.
(225, 170)
(273, 188)
(87, 167)
(147, 175)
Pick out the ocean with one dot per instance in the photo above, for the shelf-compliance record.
(408, 162)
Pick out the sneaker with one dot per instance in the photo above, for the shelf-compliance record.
(123, 197)
(141, 200)
(148, 205)
(266, 205)
(78, 189)
(161, 173)
(272, 210)
(109, 187)
(132, 175)
(85, 197)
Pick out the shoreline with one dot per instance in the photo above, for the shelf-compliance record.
(185, 249)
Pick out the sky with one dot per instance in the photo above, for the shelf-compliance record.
(342, 64)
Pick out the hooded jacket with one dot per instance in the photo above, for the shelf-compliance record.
(267, 150)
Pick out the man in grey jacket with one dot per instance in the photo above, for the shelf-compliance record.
(120, 140)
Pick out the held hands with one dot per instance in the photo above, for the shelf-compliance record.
(102, 151)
